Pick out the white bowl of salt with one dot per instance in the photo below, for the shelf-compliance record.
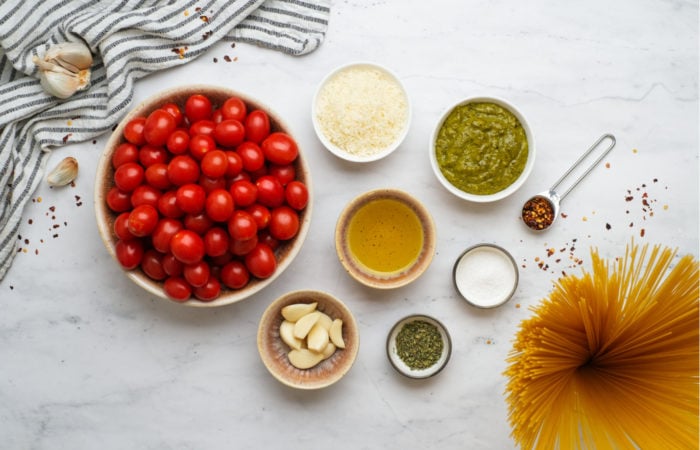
(485, 275)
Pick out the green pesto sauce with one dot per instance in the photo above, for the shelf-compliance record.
(481, 148)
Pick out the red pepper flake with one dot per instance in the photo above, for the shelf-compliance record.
(607, 165)
(94, 141)
(30, 221)
(206, 35)
(631, 224)
(197, 9)
(629, 198)
(227, 58)
(55, 236)
(564, 216)
(216, 60)
(205, 19)
(608, 226)
(233, 45)
(550, 251)
(641, 232)
(26, 241)
(66, 137)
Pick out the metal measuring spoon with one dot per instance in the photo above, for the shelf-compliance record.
(541, 210)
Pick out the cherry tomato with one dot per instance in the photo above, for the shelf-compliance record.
(205, 127)
(270, 191)
(214, 163)
(171, 265)
(243, 247)
(164, 232)
(152, 265)
(235, 164)
(257, 126)
(200, 144)
(129, 253)
(251, 155)
(234, 108)
(167, 205)
(118, 200)
(284, 223)
(244, 193)
(216, 242)
(209, 184)
(124, 153)
(197, 107)
(280, 148)
(187, 246)
(199, 223)
(260, 214)
(190, 198)
(145, 195)
(217, 116)
(210, 291)
(149, 155)
(296, 195)
(128, 176)
(261, 261)
(235, 275)
(178, 142)
(121, 229)
(242, 226)
(157, 176)
(182, 169)
(142, 220)
(229, 133)
(159, 125)
(174, 111)
(133, 131)
(177, 289)
(196, 274)
(285, 173)
(219, 205)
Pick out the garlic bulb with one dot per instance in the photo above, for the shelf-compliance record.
(65, 68)
(65, 172)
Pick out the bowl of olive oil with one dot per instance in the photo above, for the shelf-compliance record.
(385, 238)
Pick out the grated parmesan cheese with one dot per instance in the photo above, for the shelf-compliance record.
(362, 110)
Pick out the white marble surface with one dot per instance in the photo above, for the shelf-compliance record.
(88, 360)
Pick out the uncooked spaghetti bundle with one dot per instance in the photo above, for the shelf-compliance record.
(610, 359)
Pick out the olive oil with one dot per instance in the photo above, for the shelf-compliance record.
(385, 235)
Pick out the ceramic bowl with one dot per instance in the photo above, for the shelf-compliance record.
(510, 189)
(350, 140)
(485, 275)
(104, 181)
(404, 368)
(385, 278)
(274, 352)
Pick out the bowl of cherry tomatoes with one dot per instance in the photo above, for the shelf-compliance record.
(202, 195)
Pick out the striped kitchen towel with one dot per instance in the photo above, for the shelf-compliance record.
(129, 39)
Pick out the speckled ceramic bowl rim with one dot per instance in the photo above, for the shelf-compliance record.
(500, 250)
(104, 168)
(334, 149)
(400, 366)
(513, 186)
(351, 345)
(394, 280)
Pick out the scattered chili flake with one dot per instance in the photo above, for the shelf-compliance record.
(55, 236)
(233, 45)
(66, 137)
(205, 19)
(30, 221)
(634, 150)
(186, 13)
(69, 122)
(94, 141)
(235, 58)
(197, 9)
(607, 165)
(550, 251)
(564, 216)
(608, 226)
(216, 60)
(665, 207)
(206, 35)
(227, 58)
(641, 232)
(517, 305)
(585, 219)
(26, 241)
(38, 199)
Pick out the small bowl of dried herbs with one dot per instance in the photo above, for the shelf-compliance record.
(418, 346)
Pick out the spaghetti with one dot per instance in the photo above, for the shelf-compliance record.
(610, 359)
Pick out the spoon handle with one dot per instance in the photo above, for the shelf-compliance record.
(578, 161)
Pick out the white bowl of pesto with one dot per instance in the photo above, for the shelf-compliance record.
(482, 149)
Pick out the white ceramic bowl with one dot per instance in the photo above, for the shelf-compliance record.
(515, 185)
(401, 366)
(485, 275)
(316, 110)
(104, 180)
(273, 351)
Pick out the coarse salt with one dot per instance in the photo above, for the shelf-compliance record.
(362, 110)
(485, 276)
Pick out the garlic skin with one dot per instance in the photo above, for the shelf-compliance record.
(65, 69)
(64, 173)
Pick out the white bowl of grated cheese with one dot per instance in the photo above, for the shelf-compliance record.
(361, 112)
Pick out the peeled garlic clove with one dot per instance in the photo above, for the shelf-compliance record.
(317, 339)
(296, 311)
(64, 173)
(328, 351)
(336, 333)
(304, 358)
(325, 321)
(65, 69)
(304, 325)
(287, 335)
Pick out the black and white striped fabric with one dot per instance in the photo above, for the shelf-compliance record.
(129, 39)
